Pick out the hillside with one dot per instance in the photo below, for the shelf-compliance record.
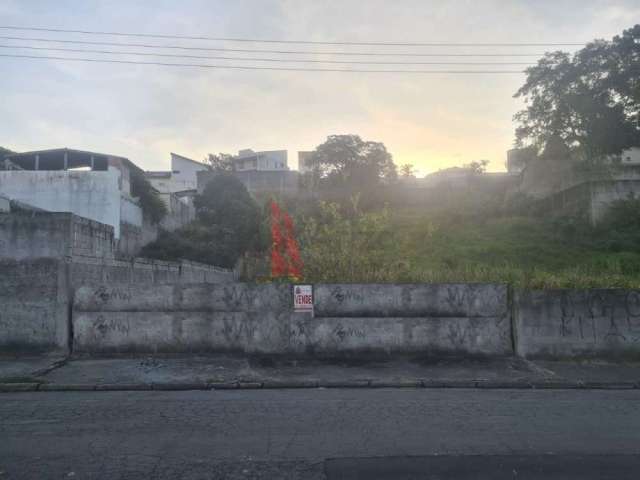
(520, 250)
(421, 244)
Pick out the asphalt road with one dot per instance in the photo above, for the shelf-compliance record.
(332, 433)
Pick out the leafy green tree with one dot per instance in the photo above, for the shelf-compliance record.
(222, 162)
(591, 99)
(226, 204)
(348, 162)
(227, 225)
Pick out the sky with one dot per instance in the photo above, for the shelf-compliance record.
(144, 112)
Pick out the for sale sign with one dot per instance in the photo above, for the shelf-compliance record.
(303, 298)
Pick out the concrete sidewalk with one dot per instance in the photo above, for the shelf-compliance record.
(194, 372)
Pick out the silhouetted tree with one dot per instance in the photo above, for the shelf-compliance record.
(590, 99)
(347, 161)
(407, 171)
(222, 162)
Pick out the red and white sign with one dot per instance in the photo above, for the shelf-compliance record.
(303, 298)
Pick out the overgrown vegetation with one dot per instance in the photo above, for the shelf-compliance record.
(152, 205)
(468, 245)
(227, 225)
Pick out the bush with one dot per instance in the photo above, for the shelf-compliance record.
(339, 246)
(152, 205)
(227, 225)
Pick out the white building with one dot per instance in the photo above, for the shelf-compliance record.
(274, 160)
(92, 185)
(181, 177)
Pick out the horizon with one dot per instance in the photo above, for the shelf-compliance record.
(144, 112)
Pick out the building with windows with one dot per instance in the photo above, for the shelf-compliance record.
(268, 161)
(181, 177)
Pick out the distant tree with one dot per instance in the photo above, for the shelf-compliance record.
(407, 171)
(222, 162)
(478, 166)
(591, 99)
(347, 161)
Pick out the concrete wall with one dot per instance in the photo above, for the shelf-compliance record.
(130, 212)
(133, 238)
(143, 271)
(180, 213)
(45, 234)
(36, 294)
(93, 195)
(282, 182)
(470, 319)
(570, 323)
(605, 193)
(35, 305)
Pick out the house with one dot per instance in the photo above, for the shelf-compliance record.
(273, 160)
(260, 172)
(181, 177)
(92, 185)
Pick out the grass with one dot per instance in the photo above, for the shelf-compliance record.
(525, 252)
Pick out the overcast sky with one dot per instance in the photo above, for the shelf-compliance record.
(145, 112)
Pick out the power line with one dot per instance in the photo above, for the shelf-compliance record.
(251, 67)
(255, 59)
(301, 42)
(302, 52)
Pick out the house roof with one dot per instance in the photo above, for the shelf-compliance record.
(189, 159)
(16, 156)
(158, 174)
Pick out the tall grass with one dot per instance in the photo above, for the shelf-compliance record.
(409, 246)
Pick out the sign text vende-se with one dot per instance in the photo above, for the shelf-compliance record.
(303, 298)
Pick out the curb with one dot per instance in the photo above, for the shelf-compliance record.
(310, 384)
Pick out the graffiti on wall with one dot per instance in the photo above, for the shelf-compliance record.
(596, 317)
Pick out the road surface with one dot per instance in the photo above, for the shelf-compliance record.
(321, 433)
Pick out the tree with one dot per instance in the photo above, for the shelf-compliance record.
(590, 100)
(226, 226)
(478, 166)
(347, 161)
(226, 204)
(407, 171)
(222, 162)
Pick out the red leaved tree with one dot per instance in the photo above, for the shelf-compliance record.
(285, 253)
